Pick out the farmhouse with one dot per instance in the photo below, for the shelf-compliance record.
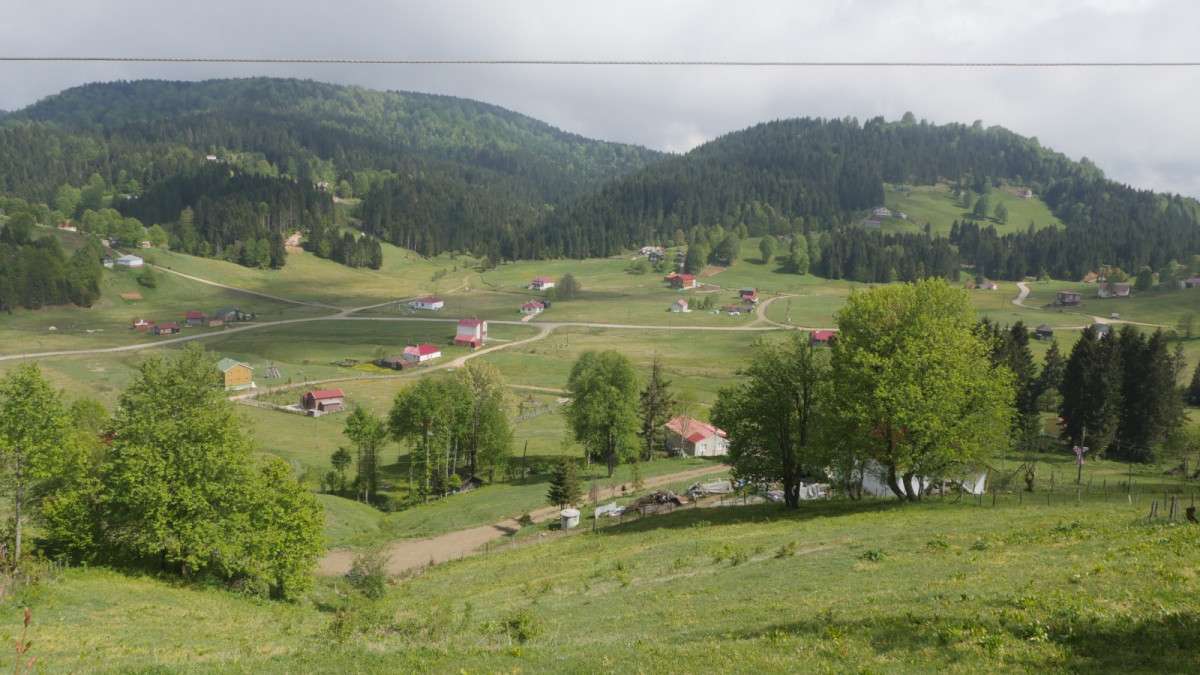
(214, 322)
(236, 374)
(320, 401)
(130, 261)
(1068, 298)
(195, 318)
(429, 302)
(142, 325)
(689, 436)
(822, 337)
(683, 281)
(66, 226)
(168, 328)
(533, 307)
(1043, 332)
(749, 295)
(422, 352)
(1026, 194)
(1113, 290)
(680, 305)
(471, 332)
(541, 284)
(231, 314)
(881, 212)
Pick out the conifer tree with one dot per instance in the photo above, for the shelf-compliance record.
(565, 488)
(1193, 390)
(656, 404)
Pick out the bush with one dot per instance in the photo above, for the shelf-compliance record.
(368, 574)
(522, 626)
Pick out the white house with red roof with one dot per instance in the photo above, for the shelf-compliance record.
(430, 302)
(822, 337)
(683, 281)
(422, 352)
(471, 333)
(749, 295)
(680, 306)
(533, 307)
(541, 284)
(690, 436)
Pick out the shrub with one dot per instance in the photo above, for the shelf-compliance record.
(873, 555)
(368, 574)
(521, 626)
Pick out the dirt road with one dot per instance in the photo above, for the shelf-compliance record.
(408, 554)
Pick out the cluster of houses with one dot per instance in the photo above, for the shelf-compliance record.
(470, 333)
(193, 318)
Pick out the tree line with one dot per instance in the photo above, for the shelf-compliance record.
(39, 273)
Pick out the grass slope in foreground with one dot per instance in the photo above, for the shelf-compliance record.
(834, 586)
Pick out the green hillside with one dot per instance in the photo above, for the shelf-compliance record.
(936, 205)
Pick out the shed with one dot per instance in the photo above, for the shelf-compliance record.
(429, 302)
(168, 328)
(541, 283)
(1043, 332)
(195, 318)
(321, 401)
(237, 375)
(130, 262)
(1068, 298)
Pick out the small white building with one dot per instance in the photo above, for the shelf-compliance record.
(429, 302)
(680, 306)
(471, 333)
(130, 261)
(689, 436)
(881, 212)
(422, 352)
(541, 284)
(533, 307)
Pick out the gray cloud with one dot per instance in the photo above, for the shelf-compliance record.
(1136, 124)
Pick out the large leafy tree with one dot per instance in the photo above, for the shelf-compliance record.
(914, 385)
(487, 436)
(368, 432)
(34, 437)
(771, 415)
(431, 416)
(603, 410)
(180, 487)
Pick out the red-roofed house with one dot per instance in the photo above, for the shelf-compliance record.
(749, 295)
(684, 281)
(422, 352)
(142, 325)
(533, 307)
(689, 436)
(430, 302)
(471, 332)
(541, 284)
(168, 328)
(321, 401)
(195, 318)
(822, 337)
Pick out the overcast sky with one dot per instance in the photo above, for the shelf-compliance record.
(1139, 125)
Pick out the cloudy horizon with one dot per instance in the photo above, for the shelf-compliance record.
(1136, 124)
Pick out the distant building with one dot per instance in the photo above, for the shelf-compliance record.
(689, 436)
(394, 362)
(429, 302)
(145, 243)
(541, 284)
(989, 286)
(195, 318)
(108, 262)
(533, 307)
(1102, 330)
(168, 328)
(680, 306)
(66, 226)
(1114, 290)
(822, 337)
(881, 212)
(471, 333)
(682, 281)
(749, 295)
(1190, 282)
(130, 261)
(210, 158)
(320, 401)
(237, 375)
(231, 315)
(422, 352)
(142, 325)
(1026, 194)
(1068, 298)
(1043, 332)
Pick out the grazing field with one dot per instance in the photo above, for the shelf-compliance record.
(936, 205)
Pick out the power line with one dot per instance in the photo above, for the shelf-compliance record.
(599, 62)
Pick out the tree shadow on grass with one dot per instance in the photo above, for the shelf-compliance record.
(689, 516)
(1161, 644)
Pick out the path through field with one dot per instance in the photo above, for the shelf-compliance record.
(409, 554)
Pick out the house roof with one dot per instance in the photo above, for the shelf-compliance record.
(325, 394)
(423, 349)
(543, 280)
(169, 324)
(693, 427)
(428, 300)
(469, 323)
(129, 258)
(225, 365)
(195, 314)
(681, 302)
(1044, 328)
(533, 304)
(823, 335)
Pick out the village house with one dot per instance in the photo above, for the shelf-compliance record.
(749, 295)
(1190, 282)
(680, 305)
(1102, 330)
(236, 374)
(471, 333)
(1043, 332)
(1068, 298)
(422, 352)
(1114, 290)
(194, 318)
(691, 437)
(1026, 194)
(533, 307)
(683, 281)
(130, 261)
(168, 328)
(142, 325)
(231, 315)
(541, 284)
(881, 212)
(320, 401)
(429, 302)
(66, 226)
(822, 337)
(214, 322)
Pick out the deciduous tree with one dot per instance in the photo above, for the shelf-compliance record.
(603, 409)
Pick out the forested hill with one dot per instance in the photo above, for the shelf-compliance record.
(821, 176)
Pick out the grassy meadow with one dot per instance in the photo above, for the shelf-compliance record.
(936, 205)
